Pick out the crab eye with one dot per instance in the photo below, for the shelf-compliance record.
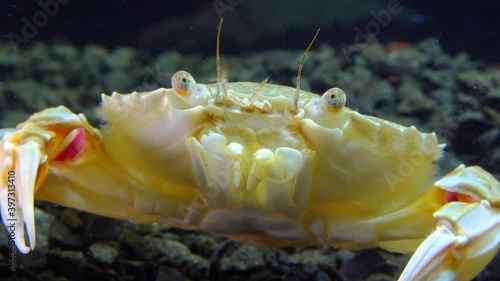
(186, 88)
(333, 100)
(183, 83)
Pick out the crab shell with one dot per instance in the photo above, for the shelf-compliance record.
(241, 159)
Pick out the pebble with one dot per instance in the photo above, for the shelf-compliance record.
(374, 53)
(471, 78)
(62, 235)
(64, 51)
(130, 270)
(203, 245)
(118, 81)
(168, 62)
(430, 51)
(381, 95)
(121, 58)
(412, 99)
(440, 78)
(30, 94)
(364, 264)
(443, 96)
(167, 273)
(403, 61)
(104, 253)
(101, 229)
(494, 95)
(179, 256)
(140, 247)
(9, 59)
(494, 161)
(245, 258)
(10, 119)
(93, 58)
(74, 264)
(71, 219)
(43, 222)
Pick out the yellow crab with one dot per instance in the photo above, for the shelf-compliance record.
(263, 164)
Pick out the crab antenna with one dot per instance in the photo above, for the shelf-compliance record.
(217, 61)
(297, 93)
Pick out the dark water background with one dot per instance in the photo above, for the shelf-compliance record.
(463, 25)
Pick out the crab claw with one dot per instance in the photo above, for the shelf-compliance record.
(20, 168)
(467, 234)
(54, 135)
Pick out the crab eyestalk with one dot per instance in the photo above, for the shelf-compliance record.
(186, 88)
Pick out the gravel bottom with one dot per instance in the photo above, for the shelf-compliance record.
(419, 85)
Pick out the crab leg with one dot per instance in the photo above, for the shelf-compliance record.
(467, 235)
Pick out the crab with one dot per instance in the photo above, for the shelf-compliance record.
(264, 164)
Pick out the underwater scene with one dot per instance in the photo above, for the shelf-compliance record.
(249, 140)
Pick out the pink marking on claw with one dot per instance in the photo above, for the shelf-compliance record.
(74, 148)
(451, 197)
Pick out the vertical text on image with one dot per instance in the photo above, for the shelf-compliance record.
(11, 218)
